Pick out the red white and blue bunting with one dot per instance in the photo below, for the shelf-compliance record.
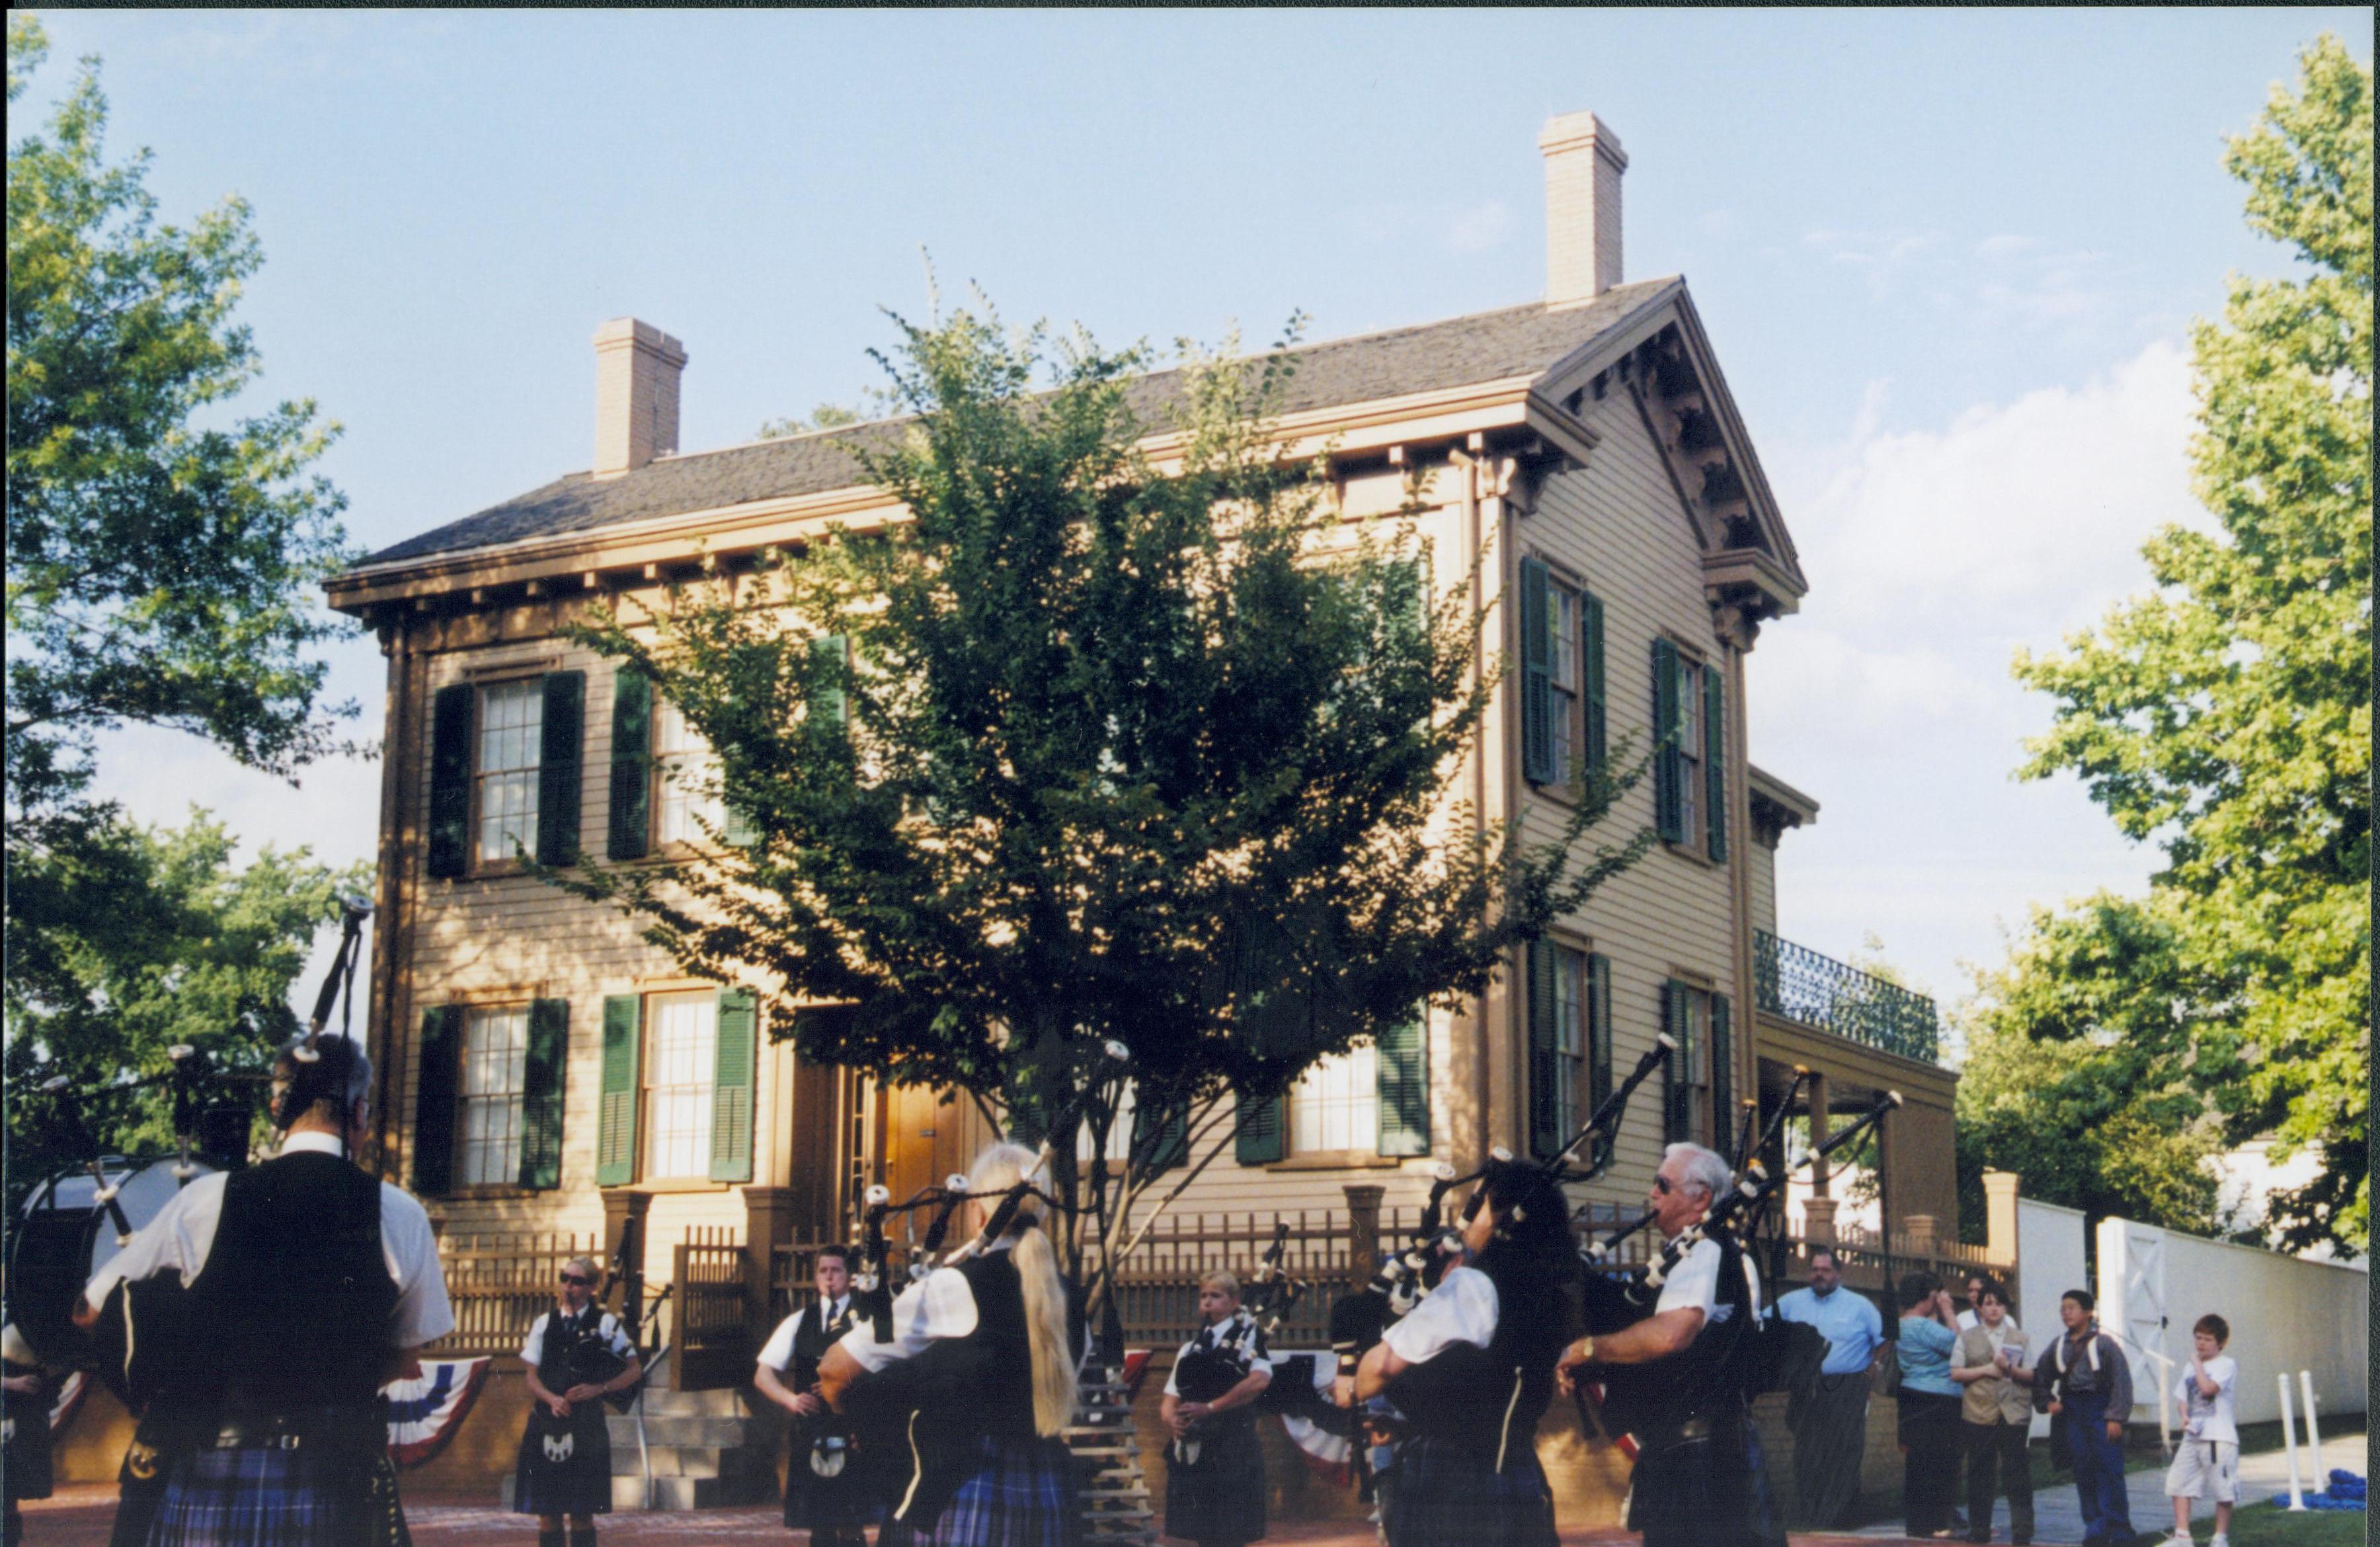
(424, 1413)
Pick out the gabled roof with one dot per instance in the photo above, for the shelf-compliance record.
(1518, 341)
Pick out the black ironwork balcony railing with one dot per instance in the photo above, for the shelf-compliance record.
(1798, 984)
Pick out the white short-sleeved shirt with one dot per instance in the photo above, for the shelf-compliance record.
(184, 1231)
(2215, 1415)
(607, 1327)
(778, 1352)
(1461, 1309)
(1693, 1285)
(938, 1305)
(1251, 1344)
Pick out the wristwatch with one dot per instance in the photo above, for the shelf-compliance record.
(1586, 1346)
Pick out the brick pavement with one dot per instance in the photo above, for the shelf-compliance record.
(79, 1517)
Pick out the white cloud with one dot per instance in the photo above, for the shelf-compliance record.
(1480, 227)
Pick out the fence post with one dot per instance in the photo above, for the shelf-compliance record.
(767, 1223)
(1999, 1225)
(1363, 1228)
(1818, 1220)
(623, 1217)
(1918, 1230)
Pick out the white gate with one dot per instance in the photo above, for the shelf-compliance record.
(2132, 1305)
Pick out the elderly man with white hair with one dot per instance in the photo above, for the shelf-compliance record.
(1700, 1478)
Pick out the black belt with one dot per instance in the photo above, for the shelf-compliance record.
(308, 1430)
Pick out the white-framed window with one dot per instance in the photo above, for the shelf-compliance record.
(1118, 1132)
(512, 732)
(686, 774)
(1336, 1103)
(1690, 751)
(1688, 1021)
(496, 1081)
(681, 1067)
(1568, 1038)
(1561, 610)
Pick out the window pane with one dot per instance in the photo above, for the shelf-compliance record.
(681, 1063)
(495, 1066)
(684, 764)
(1570, 1037)
(512, 728)
(1562, 610)
(1336, 1104)
(1690, 747)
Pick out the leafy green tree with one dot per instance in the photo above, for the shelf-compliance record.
(198, 951)
(1086, 751)
(2074, 1076)
(158, 571)
(2227, 716)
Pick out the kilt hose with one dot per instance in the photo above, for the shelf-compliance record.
(1440, 1494)
(1220, 1502)
(1022, 1494)
(256, 1497)
(576, 1483)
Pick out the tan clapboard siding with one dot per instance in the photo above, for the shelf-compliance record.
(1764, 887)
(1616, 526)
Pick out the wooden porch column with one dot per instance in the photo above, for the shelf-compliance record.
(1362, 1230)
(1999, 1225)
(1819, 1129)
(623, 1219)
(768, 1224)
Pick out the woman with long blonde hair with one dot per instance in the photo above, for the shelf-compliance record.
(982, 1368)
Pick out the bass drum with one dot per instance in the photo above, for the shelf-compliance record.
(63, 1236)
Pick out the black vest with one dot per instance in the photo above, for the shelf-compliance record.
(1218, 1359)
(1489, 1399)
(1704, 1382)
(812, 1337)
(296, 1296)
(994, 1363)
(576, 1352)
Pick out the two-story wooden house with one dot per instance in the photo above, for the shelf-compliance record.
(546, 1070)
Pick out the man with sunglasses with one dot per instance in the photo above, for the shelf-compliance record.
(1700, 1478)
(577, 1355)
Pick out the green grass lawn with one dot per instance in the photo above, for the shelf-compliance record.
(2264, 1525)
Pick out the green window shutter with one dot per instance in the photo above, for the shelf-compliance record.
(831, 707)
(1260, 1140)
(557, 768)
(1714, 757)
(731, 1086)
(1669, 760)
(1677, 1075)
(616, 1109)
(1536, 676)
(541, 1099)
(1590, 667)
(1722, 1079)
(631, 826)
(1403, 1085)
(434, 1091)
(1161, 1145)
(450, 780)
(1599, 1041)
(1543, 1039)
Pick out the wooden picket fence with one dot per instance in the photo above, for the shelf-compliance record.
(498, 1284)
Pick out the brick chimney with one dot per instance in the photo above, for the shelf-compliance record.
(1583, 163)
(636, 367)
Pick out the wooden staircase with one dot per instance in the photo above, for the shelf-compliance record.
(1113, 1490)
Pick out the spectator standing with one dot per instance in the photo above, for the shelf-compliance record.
(1929, 1405)
(2207, 1463)
(1830, 1417)
(2083, 1378)
(1993, 1363)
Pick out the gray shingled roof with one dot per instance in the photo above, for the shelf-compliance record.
(1485, 346)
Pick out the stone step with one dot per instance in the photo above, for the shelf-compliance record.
(727, 1402)
(719, 1434)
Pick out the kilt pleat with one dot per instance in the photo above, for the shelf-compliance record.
(1022, 1494)
(1222, 1498)
(844, 1502)
(1444, 1494)
(581, 1485)
(260, 1498)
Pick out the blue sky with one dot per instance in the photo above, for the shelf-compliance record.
(1948, 261)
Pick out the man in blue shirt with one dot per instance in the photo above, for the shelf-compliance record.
(1829, 1418)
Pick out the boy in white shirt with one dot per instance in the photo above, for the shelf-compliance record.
(2206, 1462)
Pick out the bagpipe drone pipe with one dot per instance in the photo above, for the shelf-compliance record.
(1752, 1354)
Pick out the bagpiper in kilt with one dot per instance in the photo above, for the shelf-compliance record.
(576, 1354)
(1214, 1468)
(309, 1282)
(978, 1379)
(1471, 1371)
(828, 1486)
(24, 1444)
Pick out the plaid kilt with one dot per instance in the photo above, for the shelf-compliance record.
(1222, 1498)
(1705, 1493)
(308, 1497)
(1444, 1494)
(1021, 1495)
(581, 1485)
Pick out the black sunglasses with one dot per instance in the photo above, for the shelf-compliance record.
(574, 1278)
